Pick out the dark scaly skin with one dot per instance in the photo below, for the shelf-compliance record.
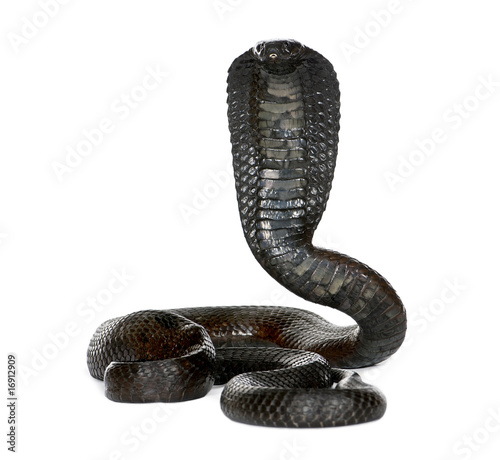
(166, 356)
(152, 356)
(284, 119)
(283, 116)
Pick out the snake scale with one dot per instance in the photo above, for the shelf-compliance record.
(282, 366)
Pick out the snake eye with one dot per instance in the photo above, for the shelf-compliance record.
(273, 55)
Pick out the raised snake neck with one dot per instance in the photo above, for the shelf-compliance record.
(284, 121)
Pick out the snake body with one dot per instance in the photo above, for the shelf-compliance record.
(282, 366)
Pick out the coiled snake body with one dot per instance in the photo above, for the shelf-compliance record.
(284, 366)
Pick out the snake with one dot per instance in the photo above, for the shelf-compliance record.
(280, 366)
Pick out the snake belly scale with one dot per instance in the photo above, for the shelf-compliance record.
(281, 366)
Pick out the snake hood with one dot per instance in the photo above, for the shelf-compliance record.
(284, 112)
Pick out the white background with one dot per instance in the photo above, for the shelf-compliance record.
(154, 201)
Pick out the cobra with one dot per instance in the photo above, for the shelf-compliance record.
(280, 366)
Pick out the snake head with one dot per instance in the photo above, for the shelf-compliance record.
(278, 53)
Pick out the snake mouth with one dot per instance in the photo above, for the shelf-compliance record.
(278, 53)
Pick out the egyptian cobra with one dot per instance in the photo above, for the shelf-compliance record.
(281, 367)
